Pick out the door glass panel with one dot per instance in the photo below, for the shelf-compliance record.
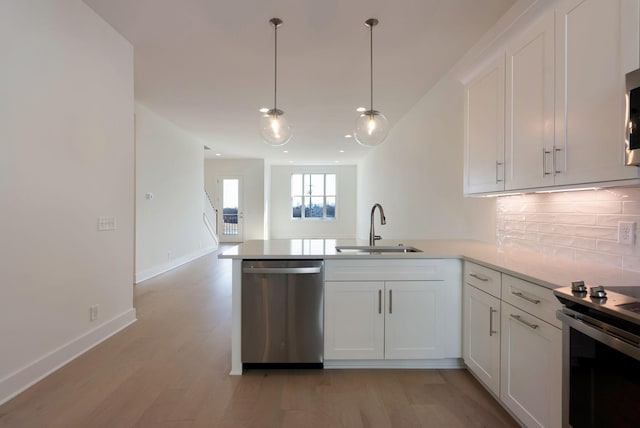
(230, 206)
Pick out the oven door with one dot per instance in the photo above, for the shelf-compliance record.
(601, 373)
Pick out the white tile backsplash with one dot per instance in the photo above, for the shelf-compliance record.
(581, 225)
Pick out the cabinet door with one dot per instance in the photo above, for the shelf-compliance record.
(529, 139)
(414, 319)
(531, 368)
(481, 336)
(484, 131)
(354, 320)
(590, 90)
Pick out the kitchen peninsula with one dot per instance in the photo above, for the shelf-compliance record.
(493, 307)
(547, 271)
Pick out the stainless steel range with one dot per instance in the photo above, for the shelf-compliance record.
(601, 355)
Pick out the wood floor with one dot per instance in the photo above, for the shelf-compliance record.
(171, 369)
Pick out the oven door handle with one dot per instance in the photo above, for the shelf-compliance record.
(620, 340)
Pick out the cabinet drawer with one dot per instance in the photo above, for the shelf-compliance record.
(483, 278)
(389, 269)
(532, 298)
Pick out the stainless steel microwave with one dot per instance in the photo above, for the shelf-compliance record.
(632, 134)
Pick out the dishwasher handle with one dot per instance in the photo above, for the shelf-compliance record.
(283, 270)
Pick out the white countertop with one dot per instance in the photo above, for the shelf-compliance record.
(549, 271)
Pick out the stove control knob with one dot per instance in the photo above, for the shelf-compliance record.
(597, 292)
(578, 287)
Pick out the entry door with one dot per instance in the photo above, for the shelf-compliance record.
(231, 220)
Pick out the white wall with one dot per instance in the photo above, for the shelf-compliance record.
(66, 112)
(417, 173)
(170, 229)
(283, 226)
(252, 172)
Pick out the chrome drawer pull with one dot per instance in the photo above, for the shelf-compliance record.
(491, 312)
(528, 324)
(390, 301)
(555, 153)
(478, 276)
(498, 164)
(379, 301)
(545, 152)
(528, 299)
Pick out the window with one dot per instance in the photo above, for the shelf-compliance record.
(313, 196)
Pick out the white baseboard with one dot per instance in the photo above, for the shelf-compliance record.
(444, 363)
(18, 381)
(172, 264)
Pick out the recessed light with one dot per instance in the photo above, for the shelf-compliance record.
(361, 109)
(263, 110)
(218, 154)
(337, 161)
(285, 151)
(348, 136)
(341, 151)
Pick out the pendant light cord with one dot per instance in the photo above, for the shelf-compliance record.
(275, 69)
(371, 63)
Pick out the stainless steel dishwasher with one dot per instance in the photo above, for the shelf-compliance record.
(282, 312)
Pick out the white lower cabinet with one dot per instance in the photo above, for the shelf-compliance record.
(512, 342)
(400, 317)
(415, 319)
(481, 336)
(353, 320)
(531, 374)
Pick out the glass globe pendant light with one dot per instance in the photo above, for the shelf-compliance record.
(372, 126)
(274, 126)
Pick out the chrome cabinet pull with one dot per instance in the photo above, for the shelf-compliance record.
(390, 301)
(545, 152)
(555, 161)
(498, 164)
(528, 324)
(528, 299)
(478, 276)
(491, 312)
(379, 301)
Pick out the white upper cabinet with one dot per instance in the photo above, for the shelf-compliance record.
(592, 39)
(550, 110)
(630, 35)
(484, 131)
(529, 140)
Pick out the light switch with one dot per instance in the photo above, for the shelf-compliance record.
(106, 223)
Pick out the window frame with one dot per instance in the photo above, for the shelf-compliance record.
(303, 196)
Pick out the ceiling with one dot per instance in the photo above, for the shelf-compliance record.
(207, 65)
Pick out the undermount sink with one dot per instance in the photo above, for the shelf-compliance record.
(376, 249)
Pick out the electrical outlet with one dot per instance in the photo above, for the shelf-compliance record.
(93, 313)
(626, 232)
